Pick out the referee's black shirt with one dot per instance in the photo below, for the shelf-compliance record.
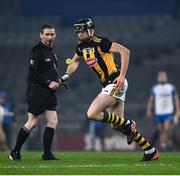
(41, 65)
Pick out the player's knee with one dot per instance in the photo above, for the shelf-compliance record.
(34, 124)
(31, 123)
(53, 122)
(166, 129)
(2, 136)
(91, 115)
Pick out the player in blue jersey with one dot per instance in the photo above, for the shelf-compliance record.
(165, 102)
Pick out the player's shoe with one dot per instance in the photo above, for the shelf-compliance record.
(129, 132)
(14, 155)
(150, 157)
(49, 157)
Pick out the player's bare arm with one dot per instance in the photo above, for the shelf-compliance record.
(72, 67)
(177, 105)
(124, 55)
(149, 107)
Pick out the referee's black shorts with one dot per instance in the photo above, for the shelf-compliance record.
(40, 98)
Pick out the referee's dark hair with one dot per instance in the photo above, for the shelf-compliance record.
(46, 26)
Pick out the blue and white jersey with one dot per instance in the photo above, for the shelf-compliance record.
(163, 95)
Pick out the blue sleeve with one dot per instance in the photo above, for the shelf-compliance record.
(8, 105)
(152, 92)
(174, 91)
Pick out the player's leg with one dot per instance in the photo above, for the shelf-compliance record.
(97, 111)
(165, 133)
(149, 151)
(160, 129)
(164, 127)
(118, 109)
(22, 136)
(52, 121)
(3, 143)
(159, 120)
(97, 107)
(167, 128)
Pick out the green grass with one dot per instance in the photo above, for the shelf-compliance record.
(88, 163)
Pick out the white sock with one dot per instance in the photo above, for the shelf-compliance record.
(150, 151)
(128, 121)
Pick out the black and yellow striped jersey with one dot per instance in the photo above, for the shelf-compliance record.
(95, 52)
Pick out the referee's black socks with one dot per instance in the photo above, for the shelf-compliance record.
(21, 138)
(47, 140)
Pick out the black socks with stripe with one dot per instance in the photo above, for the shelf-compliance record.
(21, 138)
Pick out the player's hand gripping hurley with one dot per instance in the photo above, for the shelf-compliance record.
(62, 80)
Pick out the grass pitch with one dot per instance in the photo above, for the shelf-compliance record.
(89, 163)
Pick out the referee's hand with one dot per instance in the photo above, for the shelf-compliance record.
(53, 85)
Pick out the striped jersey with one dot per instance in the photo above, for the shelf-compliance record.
(95, 52)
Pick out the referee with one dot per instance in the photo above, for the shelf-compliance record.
(41, 99)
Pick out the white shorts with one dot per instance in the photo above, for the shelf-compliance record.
(116, 93)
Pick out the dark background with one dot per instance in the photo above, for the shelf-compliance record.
(150, 29)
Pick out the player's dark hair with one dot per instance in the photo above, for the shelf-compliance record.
(162, 71)
(46, 26)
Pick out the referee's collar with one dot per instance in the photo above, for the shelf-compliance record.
(41, 43)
